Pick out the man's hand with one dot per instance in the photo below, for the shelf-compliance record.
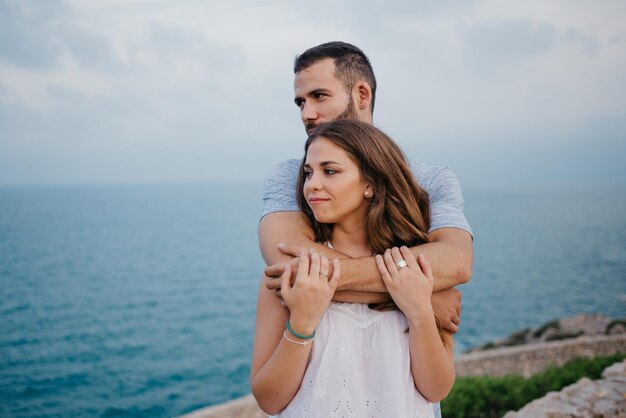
(275, 271)
(447, 307)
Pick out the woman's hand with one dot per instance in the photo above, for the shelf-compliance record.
(411, 286)
(311, 292)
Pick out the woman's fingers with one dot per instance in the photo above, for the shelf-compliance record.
(425, 265)
(334, 279)
(314, 269)
(303, 264)
(408, 256)
(285, 281)
(324, 270)
(382, 268)
(397, 257)
(390, 263)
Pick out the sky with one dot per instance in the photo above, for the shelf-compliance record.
(136, 91)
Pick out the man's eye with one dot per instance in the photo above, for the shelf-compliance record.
(299, 103)
(319, 95)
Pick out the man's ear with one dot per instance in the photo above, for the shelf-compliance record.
(364, 95)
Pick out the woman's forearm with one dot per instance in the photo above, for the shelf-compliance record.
(278, 381)
(432, 363)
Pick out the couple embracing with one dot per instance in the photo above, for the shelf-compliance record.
(356, 313)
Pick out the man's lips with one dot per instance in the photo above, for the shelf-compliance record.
(310, 126)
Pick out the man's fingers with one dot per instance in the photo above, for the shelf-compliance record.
(275, 270)
(273, 283)
(293, 250)
(456, 320)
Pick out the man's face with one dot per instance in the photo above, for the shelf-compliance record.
(321, 96)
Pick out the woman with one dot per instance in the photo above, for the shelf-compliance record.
(318, 358)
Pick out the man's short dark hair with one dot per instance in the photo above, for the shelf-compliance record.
(351, 64)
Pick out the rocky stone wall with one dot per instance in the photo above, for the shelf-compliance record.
(601, 398)
(244, 407)
(527, 360)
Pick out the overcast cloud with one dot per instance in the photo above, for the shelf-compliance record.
(143, 91)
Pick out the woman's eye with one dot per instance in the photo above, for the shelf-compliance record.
(329, 171)
(307, 174)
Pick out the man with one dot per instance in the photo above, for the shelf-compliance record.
(336, 81)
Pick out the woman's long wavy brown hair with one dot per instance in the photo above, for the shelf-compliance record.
(399, 212)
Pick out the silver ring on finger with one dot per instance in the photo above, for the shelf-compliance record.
(401, 264)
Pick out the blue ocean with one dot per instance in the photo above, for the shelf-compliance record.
(139, 301)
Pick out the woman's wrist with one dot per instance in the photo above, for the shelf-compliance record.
(301, 326)
(420, 316)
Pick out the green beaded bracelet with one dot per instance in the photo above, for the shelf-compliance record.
(295, 334)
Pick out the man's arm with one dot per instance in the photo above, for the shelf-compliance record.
(292, 228)
(450, 254)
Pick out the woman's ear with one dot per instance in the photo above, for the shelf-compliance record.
(369, 192)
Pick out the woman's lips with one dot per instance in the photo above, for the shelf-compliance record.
(317, 200)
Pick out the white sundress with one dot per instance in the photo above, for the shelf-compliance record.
(359, 367)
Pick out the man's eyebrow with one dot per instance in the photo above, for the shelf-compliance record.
(310, 93)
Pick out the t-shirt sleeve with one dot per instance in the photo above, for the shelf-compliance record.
(279, 190)
(446, 200)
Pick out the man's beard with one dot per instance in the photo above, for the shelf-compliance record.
(349, 113)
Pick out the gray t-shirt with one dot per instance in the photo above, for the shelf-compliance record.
(444, 192)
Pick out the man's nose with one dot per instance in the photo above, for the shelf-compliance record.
(308, 112)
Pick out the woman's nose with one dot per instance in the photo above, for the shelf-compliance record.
(314, 182)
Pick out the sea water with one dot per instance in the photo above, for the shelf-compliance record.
(139, 301)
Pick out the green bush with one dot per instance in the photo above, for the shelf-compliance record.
(492, 397)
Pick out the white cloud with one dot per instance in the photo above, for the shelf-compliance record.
(188, 87)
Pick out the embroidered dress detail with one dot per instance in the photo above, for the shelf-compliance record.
(359, 367)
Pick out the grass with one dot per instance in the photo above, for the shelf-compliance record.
(493, 396)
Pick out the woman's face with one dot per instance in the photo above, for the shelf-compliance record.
(333, 186)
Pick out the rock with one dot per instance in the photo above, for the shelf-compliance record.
(562, 329)
(244, 407)
(602, 398)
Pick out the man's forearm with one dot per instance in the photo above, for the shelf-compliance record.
(450, 254)
(450, 257)
(289, 228)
